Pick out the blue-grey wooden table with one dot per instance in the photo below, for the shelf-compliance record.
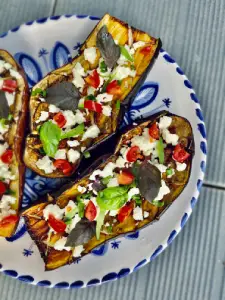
(193, 32)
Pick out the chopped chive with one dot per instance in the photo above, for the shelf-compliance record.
(118, 104)
(169, 172)
(87, 154)
(160, 148)
(137, 199)
(44, 94)
(90, 97)
(158, 203)
(10, 117)
(126, 54)
(103, 67)
(81, 209)
(109, 228)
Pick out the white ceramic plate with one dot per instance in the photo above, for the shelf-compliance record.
(43, 45)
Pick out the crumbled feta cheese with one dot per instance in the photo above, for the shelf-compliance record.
(165, 122)
(53, 109)
(164, 190)
(60, 154)
(106, 110)
(79, 118)
(7, 66)
(3, 147)
(107, 171)
(74, 222)
(173, 172)
(123, 72)
(81, 103)
(81, 189)
(90, 54)
(143, 142)
(92, 132)
(120, 162)
(181, 166)
(82, 149)
(113, 213)
(60, 244)
(170, 138)
(5, 172)
(138, 44)
(78, 81)
(146, 214)
(15, 74)
(78, 69)
(7, 199)
(105, 97)
(73, 155)
(91, 90)
(10, 97)
(132, 192)
(73, 143)
(137, 214)
(113, 182)
(71, 205)
(161, 168)
(43, 117)
(105, 74)
(53, 209)
(42, 99)
(78, 250)
(5, 206)
(70, 118)
(45, 164)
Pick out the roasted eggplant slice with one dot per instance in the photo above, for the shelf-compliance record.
(82, 103)
(149, 169)
(14, 97)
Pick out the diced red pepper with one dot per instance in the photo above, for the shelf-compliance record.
(113, 88)
(93, 79)
(90, 211)
(133, 154)
(154, 131)
(7, 156)
(146, 50)
(125, 178)
(63, 165)
(9, 85)
(92, 105)
(125, 212)
(59, 119)
(11, 219)
(2, 188)
(180, 154)
(56, 224)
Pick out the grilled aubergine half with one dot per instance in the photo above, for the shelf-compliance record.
(83, 102)
(149, 169)
(14, 97)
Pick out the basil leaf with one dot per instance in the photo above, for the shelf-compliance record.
(50, 136)
(160, 149)
(148, 180)
(81, 209)
(83, 232)
(100, 221)
(73, 132)
(109, 50)
(126, 54)
(112, 198)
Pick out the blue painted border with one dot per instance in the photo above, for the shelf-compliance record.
(203, 146)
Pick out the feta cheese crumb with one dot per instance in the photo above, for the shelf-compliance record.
(10, 97)
(138, 45)
(81, 189)
(113, 182)
(132, 192)
(164, 190)
(90, 54)
(43, 117)
(73, 143)
(146, 214)
(170, 138)
(78, 250)
(92, 132)
(137, 214)
(73, 155)
(123, 72)
(107, 110)
(74, 222)
(181, 166)
(161, 168)
(165, 122)
(53, 209)
(105, 97)
(107, 171)
(3, 147)
(53, 109)
(45, 164)
(60, 244)
(60, 154)
(79, 117)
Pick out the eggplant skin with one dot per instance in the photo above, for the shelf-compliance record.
(119, 30)
(16, 138)
(38, 227)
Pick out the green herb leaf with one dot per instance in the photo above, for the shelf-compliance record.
(126, 54)
(169, 172)
(160, 149)
(91, 97)
(118, 104)
(73, 132)
(109, 228)
(87, 154)
(50, 136)
(10, 117)
(71, 213)
(137, 199)
(83, 196)
(112, 198)
(158, 203)
(39, 91)
(103, 67)
(132, 67)
(100, 221)
(81, 209)
(105, 180)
